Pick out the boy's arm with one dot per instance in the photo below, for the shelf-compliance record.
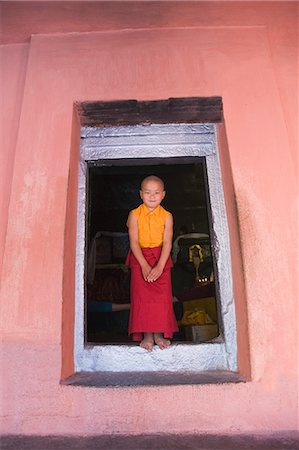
(166, 249)
(135, 247)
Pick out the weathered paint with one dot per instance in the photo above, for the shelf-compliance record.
(15, 57)
(245, 53)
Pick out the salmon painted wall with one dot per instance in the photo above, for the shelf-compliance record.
(244, 52)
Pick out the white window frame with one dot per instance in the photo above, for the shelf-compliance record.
(158, 141)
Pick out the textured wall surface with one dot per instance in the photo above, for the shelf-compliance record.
(245, 53)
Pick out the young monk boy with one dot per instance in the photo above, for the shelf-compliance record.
(152, 320)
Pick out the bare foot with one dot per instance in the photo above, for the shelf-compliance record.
(161, 341)
(147, 341)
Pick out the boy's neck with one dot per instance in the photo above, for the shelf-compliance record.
(151, 209)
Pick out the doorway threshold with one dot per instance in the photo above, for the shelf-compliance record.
(166, 378)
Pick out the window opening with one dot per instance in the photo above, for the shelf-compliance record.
(165, 135)
(113, 190)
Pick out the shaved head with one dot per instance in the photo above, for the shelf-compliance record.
(152, 178)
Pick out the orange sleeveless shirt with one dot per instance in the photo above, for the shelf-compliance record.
(151, 225)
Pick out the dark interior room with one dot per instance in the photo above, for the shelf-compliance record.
(113, 190)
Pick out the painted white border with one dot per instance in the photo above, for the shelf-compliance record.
(151, 141)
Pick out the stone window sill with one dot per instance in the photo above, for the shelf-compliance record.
(127, 379)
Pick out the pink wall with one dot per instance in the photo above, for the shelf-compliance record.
(245, 54)
(12, 77)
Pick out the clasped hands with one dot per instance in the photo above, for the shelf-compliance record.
(151, 274)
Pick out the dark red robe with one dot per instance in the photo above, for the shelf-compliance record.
(151, 303)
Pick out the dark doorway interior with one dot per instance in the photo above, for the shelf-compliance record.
(113, 190)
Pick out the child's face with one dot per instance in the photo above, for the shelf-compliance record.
(152, 194)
